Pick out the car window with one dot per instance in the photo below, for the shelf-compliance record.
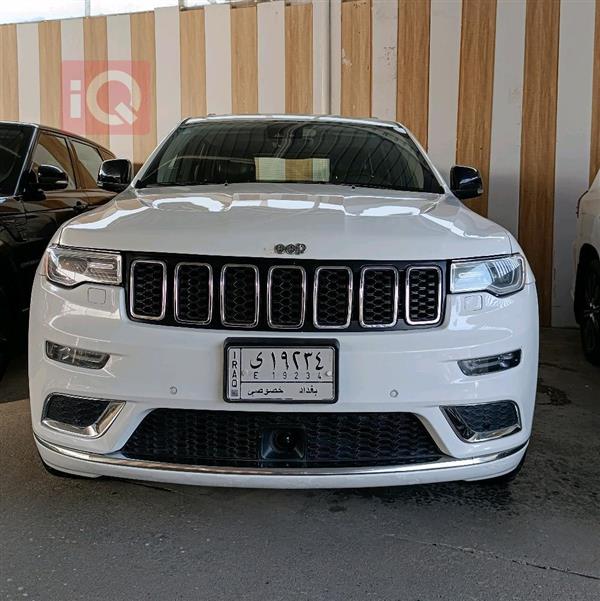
(286, 151)
(14, 141)
(53, 150)
(89, 160)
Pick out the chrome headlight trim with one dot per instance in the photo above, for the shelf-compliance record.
(70, 266)
(486, 275)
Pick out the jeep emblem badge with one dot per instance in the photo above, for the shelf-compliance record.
(290, 249)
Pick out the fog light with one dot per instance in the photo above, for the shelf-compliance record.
(78, 357)
(488, 365)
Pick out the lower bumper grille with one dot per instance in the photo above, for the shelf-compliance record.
(250, 439)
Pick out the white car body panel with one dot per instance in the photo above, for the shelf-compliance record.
(201, 221)
(588, 223)
(412, 370)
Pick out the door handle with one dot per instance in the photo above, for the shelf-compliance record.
(80, 207)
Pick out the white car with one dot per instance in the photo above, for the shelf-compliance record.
(587, 260)
(289, 302)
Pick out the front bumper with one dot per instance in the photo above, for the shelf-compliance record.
(153, 367)
(115, 465)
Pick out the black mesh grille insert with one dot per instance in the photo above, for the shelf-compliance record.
(147, 279)
(193, 300)
(278, 293)
(240, 295)
(423, 294)
(233, 438)
(287, 297)
(474, 422)
(74, 411)
(333, 297)
(379, 296)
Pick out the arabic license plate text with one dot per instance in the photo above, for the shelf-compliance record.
(293, 374)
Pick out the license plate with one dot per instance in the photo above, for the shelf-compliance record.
(286, 372)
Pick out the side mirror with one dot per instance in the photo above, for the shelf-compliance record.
(115, 175)
(50, 177)
(465, 182)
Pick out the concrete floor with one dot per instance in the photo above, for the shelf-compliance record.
(115, 540)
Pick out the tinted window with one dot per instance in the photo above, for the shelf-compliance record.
(291, 151)
(14, 141)
(89, 161)
(53, 150)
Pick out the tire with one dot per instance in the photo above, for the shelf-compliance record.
(589, 322)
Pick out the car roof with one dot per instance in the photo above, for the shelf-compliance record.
(301, 118)
(58, 131)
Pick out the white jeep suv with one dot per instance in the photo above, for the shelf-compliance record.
(284, 301)
(587, 260)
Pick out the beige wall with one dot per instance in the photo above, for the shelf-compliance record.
(509, 86)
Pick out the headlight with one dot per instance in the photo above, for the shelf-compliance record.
(71, 266)
(500, 275)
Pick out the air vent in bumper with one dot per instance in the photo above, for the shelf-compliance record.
(484, 421)
(236, 438)
(78, 415)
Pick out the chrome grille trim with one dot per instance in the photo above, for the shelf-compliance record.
(396, 296)
(303, 301)
(256, 296)
(164, 289)
(210, 293)
(316, 296)
(438, 316)
(352, 293)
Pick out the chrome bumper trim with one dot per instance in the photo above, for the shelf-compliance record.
(116, 459)
(95, 430)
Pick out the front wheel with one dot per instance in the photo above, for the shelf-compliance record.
(590, 311)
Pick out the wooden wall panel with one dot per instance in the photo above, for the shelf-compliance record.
(356, 58)
(50, 73)
(244, 60)
(595, 143)
(412, 97)
(95, 49)
(476, 89)
(536, 209)
(9, 89)
(193, 63)
(143, 49)
(298, 58)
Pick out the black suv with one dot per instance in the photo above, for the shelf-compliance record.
(47, 176)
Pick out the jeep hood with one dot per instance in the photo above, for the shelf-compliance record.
(248, 220)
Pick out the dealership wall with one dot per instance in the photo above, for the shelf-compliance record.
(509, 86)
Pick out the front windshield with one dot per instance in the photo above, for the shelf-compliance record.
(14, 141)
(249, 151)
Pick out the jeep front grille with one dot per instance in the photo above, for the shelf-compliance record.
(148, 285)
(333, 297)
(263, 294)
